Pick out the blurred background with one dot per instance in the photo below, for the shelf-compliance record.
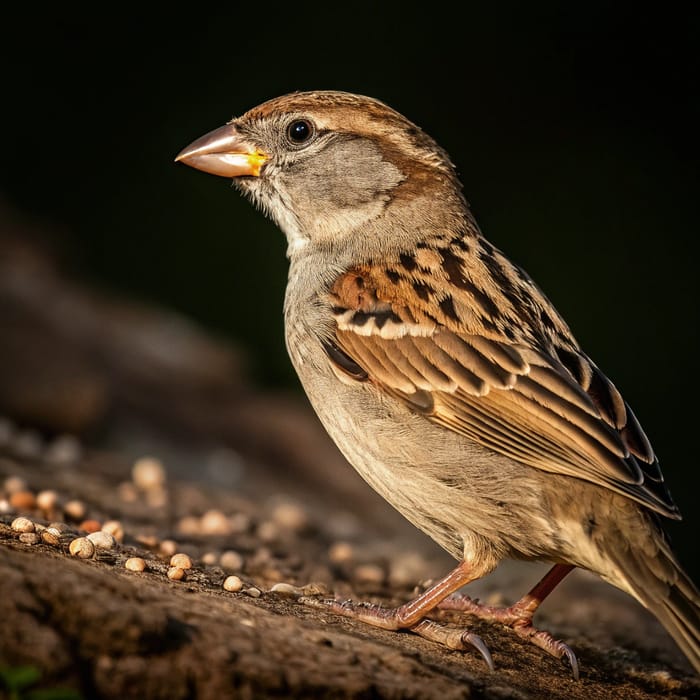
(573, 127)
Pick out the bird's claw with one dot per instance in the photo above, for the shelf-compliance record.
(568, 655)
(478, 643)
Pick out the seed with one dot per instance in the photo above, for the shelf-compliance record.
(168, 547)
(82, 547)
(209, 558)
(233, 584)
(181, 561)
(369, 573)
(46, 500)
(176, 573)
(29, 537)
(214, 522)
(90, 526)
(114, 528)
(22, 525)
(149, 541)
(253, 592)
(290, 516)
(102, 540)
(15, 483)
(23, 500)
(51, 536)
(341, 552)
(231, 561)
(135, 564)
(74, 509)
(287, 589)
(268, 531)
(188, 525)
(148, 473)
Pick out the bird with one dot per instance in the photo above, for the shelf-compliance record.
(444, 374)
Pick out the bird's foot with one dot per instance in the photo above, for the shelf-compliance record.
(398, 619)
(517, 617)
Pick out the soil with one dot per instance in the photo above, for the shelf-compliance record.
(246, 483)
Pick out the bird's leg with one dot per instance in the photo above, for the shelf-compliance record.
(411, 615)
(519, 615)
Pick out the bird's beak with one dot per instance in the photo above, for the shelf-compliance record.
(223, 152)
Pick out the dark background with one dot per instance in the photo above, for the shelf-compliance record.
(574, 131)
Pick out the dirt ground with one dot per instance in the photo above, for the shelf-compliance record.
(130, 418)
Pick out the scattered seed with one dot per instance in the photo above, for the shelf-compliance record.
(181, 561)
(61, 527)
(233, 584)
(90, 526)
(23, 500)
(102, 540)
(214, 522)
(51, 536)
(15, 483)
(168, 547)
(189, 525)
(22, 525)
(47, 500)
(74, 509)
(114, 528)
(231, 561)
(341, 552)
(290, 516)
(369, 573)
(150, 541)
(135, 564)
(5, 506)
(148, 473)
(253, 592)
(268, 531)
(82, 547)
(29, 537)
(175, 573)
(210, 558)
(287, 589)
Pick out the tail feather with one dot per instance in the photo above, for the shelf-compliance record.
(665, 589)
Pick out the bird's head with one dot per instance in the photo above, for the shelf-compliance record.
(325, 164)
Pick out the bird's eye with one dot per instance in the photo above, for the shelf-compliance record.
(300, 131)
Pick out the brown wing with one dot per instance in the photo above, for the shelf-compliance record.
(553, 411)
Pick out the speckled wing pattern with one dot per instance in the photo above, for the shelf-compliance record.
(466, 338)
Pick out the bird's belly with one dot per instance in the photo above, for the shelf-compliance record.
(470, 500)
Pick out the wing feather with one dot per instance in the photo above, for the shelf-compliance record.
(548, 407)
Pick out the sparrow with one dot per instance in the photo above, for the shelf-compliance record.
(444, 374)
